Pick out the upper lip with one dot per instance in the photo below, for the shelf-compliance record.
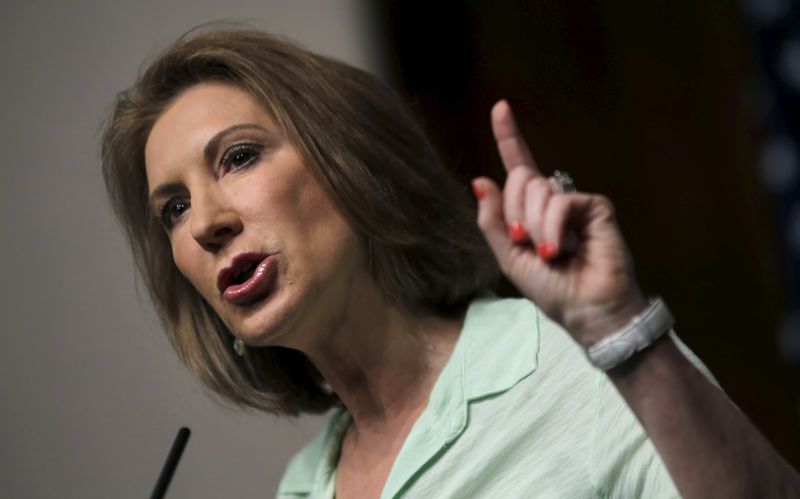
(228, 274)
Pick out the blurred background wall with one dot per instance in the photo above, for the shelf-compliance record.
(682, 112)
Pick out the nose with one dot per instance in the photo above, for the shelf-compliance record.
(213, 221)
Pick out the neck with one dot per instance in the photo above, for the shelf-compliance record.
(383, 363)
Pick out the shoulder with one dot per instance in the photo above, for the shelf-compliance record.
(513, 336)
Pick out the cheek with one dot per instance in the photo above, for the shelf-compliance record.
(187, 261)
(336, 248)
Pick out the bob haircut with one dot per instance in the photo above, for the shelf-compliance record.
(368, 153)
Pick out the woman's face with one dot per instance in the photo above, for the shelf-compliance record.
(249, 226)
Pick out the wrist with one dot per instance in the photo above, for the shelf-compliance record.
(599, 321)
(642, 331)
(662, 348)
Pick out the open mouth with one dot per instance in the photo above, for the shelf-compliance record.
(240, 270)
(248, 279)
(244, 274)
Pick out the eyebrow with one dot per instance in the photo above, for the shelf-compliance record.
(163, 190)
(210, 150)
(209, 153)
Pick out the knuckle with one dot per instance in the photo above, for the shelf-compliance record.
(604, 203)
(518, 174)
(560, 202)
(483, 222)
(538, 184)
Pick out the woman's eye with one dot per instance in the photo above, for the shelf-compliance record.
(240, 156)
(172, 211)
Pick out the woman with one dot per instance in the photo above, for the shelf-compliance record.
(305, 249)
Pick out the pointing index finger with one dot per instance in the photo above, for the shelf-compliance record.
(512, 147)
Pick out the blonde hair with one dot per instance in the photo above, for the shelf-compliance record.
(367, 152)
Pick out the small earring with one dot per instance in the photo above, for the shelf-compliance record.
(238, 347)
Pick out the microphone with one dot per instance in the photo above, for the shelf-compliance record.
(172, 462)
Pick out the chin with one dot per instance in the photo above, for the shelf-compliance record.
(269, 322)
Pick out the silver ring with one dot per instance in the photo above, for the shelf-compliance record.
(562, 182)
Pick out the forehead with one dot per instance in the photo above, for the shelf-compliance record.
(186, 125)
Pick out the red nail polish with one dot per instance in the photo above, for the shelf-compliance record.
(479, 193)
(546, 251)
(517, 232)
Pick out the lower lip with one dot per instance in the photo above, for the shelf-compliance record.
(254, 289)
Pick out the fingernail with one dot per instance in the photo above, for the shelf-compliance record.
(546, 251)
(517, 232)
(476, 189)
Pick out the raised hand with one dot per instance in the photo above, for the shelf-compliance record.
(563, 250)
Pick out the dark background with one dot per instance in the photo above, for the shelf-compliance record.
(659, 105)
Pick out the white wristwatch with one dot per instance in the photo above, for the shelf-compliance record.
(640, 332)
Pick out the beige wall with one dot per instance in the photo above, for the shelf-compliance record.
(91, 394)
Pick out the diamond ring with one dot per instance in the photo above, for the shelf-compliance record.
(562, 182)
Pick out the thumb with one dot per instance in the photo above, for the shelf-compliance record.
(490, 217)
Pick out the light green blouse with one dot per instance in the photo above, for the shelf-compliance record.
(517, 412)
